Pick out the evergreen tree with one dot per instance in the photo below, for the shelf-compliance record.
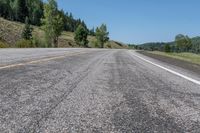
(27, 31)
(35, 10)
(92, 32)
(21, 10)
(81, 36)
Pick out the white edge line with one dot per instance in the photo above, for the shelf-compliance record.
(171, 71)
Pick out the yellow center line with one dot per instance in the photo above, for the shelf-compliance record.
(42, 60)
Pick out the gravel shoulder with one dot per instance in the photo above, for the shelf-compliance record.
(195, 68)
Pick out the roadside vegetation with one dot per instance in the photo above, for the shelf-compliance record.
(182, 48)
(102, 35)
(81, 36)
(3, 44)
(182, 43)
(33, 23)
(189, 57)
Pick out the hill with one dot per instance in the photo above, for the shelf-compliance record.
(10, 33)
(160, 46)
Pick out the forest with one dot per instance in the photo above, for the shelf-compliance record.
(18, 10)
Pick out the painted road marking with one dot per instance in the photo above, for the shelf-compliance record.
(41, 60)
(169, 70)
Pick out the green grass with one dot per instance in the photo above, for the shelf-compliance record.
(190, 57)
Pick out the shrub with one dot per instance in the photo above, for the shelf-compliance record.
(108, 45)
(25, 44)
(96, 45)
(39, 42)
(27, 31)
(93, 44)
(167, 48)
(3, 45)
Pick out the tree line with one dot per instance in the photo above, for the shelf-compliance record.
(18, 10)
(51, 19)
(182, 43)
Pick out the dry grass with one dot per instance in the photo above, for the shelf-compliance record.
(3, 44)
(190, 57)
(10, 32)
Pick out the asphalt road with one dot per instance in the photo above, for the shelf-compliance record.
(93, 90)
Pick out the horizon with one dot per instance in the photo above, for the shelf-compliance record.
(138, 21)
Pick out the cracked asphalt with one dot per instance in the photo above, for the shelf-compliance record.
(94, 91)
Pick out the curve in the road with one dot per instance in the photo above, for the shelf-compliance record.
(169, 70)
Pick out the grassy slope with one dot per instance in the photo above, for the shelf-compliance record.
(3, 44)
(10, 32)
(190, 57)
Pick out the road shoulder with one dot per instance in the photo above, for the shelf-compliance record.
(194, 68)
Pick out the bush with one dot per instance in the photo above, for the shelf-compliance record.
(3, 45)
(25, 44)
(167, 48)
(96, 44)
(108, 45)
(38, 42)
(93, 44)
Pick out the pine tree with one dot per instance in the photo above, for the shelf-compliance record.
(81, 36)
(21, 10)
(27, 31)
(92, 32)
(35, 10)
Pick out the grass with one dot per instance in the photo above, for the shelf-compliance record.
(11, 33)
(3, 44)
(189, 57)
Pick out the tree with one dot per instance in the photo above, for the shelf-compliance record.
(196, 45)
(21, 10)
(35, 10)
(81, 36)
(53, 23)
(183, 43)
(27, 31)
(18, 10)
(92, 32)
(167, 48)
(7, 9)
(102, 35)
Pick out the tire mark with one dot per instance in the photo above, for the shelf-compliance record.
(35, 124)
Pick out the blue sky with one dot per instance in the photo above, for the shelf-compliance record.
(139, 21)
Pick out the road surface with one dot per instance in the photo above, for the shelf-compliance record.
(94, 90)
